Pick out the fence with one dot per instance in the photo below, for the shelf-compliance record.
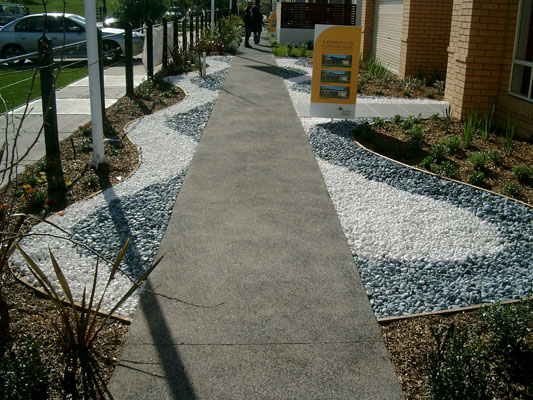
(306, 15)
(158, 39)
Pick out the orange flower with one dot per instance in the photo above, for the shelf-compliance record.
(5, 207)
(24, 198)
(48, 201)
(26, 186)
(29, 191)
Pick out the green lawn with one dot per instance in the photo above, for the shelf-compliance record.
(72, 6)
(16, 94)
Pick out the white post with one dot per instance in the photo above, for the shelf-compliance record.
(212, 17)
(94, 84)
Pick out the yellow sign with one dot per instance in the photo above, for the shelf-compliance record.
(335, 71)
(272, 22)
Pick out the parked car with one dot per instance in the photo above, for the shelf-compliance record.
(21, 37)
(10, 12)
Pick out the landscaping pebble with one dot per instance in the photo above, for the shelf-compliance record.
(421, 243)
(138, 208)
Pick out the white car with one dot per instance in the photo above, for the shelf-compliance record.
(21, 37)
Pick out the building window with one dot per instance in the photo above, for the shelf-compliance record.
(522, 75)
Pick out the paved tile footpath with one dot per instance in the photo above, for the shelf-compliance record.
(254, 231)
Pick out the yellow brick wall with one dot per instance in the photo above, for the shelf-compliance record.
(479, 61)
(367, 18)
(425, 38)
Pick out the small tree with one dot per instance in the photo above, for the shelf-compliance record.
(138, 11)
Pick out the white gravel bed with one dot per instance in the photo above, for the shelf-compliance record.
(139, 207)
(420, 243)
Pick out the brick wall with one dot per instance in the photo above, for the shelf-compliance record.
(479, 61)
(425, 38)
(367, 19)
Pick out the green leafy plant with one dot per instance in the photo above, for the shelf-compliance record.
(478, 160)
(375, 68)
(510, 132)
(408, 123)
(452, 143)
(440, 86)
(378, 121)
(486, 125)
(23, 374)
(447, 120)
(477, 178)
(430, 95)
(378, 92)
(427, 162)
(509, 326)
(470, 127)
(79, 326)
(364, 132)
(416, 133)
(523, 173)
(438, 152)
(434, 117)
(512, 189)
(397, 119)
(494, 156)
(457, 367)
(449, 169)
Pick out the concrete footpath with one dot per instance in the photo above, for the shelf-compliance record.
(254, 239)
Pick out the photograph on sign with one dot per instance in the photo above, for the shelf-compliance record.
(334, 92)
(340, 76)
(337, 60)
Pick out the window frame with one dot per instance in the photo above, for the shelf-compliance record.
(518, 62)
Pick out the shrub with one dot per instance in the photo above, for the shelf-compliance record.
(452, 143)
(397, 119)
(478, 160)
(23, 374)
(470, 127)
(364, 132)
(477, 178)
(438, 152)
(78, 328)
(512, 189)
(378, 121)
(510, 133)
(449, 169)
(494, 156)
(375, 69)
(416, 132)
(408, 123)
(486, 126)
(440, 86)
(523, 173)
(457, 369)
(427, 162)
(509, 326)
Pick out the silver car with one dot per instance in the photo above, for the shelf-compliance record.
(10, 12)
(21, 37)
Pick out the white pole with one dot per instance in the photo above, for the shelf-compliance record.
(212, 17)
(94, 84)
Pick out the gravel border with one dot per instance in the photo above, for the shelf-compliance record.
(420, 243)
(138, 208)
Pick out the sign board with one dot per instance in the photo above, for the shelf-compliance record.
(273, 22)
(335, 71)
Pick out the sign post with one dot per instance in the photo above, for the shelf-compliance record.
(335, 71)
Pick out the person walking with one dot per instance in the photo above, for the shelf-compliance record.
(248, 24)
(257, 22)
